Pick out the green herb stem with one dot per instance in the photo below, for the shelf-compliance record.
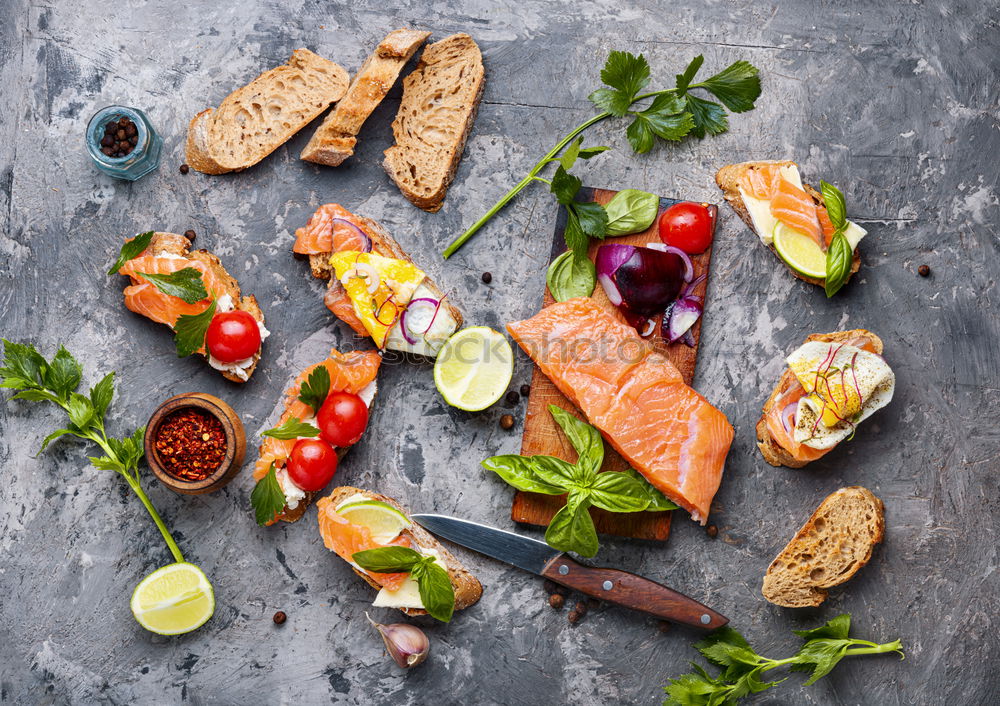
(171, 544)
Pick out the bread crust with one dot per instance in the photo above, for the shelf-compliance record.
(808, 591)
(728, 178)
(468, 590)
(171, 243)
(773, 452)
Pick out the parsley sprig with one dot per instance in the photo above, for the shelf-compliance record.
(267, 498)
(572, 528)
(670, 114)
(742, 668)
(39, 380)
(436, 592)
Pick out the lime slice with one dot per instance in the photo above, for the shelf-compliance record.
(383, 521)
(173, 600)
(799, 251)
(474, 368)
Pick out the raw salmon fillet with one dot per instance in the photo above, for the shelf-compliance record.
(347, 539)
(635, 396)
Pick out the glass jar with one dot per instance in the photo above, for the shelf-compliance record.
(144, 157)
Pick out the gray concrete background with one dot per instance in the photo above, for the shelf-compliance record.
(896, 102)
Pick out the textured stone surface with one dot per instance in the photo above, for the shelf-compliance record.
(896, 102)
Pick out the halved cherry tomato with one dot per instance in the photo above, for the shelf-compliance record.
(311, 464)
(232, 336)
(687, 226)
(342, 418)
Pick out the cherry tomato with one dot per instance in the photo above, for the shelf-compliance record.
(687, 226)
(311, 464)
(342, 419)
(232, 336)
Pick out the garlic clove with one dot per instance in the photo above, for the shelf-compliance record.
(406, 644)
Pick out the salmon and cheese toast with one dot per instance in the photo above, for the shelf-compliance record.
(635, 396)
(374, 286)
(832, 383)
(345, 532)
(769, 196)
(168, 254)
(353, 373)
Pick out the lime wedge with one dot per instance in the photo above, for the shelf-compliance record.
(473, 368)
(173, 600)
(799, 251)
(383, 521)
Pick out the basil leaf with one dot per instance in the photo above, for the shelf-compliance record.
(564, 185)
(570, 276)
(185, 284)
(554, 471)
(572, 529)
(684, 79)
(709, 118)
(190, 330)
(316, 388)
(838, 263)
(63, 374)
(593, 218)
(631, 211)
(131, 249)
(293, 428)
(835, 206)
(436, 591)
(658, 502)
(387, 560)
(617, 492)
(585, 439)
(267, 498)
(737, 86)
(519, 472)
(101, 394)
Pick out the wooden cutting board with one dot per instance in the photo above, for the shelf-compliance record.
(543, 436)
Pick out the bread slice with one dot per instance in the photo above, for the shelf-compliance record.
(174, 244)
(829, 549)
(440, 100)
(256, 119)
(468, 590)
(728, 178)
(334, 140)
(773, 452)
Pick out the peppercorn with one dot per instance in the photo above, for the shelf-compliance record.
(190, 234)
(923, 270)
(185, 169)
(525, 390)
(506, 422)
(487, 278)
(573, 616)
(513, 397)
(712, 531)
(580, 608)
(280, 618)
(557, 601)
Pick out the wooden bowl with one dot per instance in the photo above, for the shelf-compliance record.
(232, 427)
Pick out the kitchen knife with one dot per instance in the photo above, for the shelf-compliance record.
(612, 585)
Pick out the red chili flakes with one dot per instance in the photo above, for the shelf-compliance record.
(190, 444)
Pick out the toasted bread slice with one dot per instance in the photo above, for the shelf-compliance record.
(773, 452)
(829, 549)
(174, 244)
(334, 140)
(256, 119)
(729, 177)
(468, 590)
(440, 100)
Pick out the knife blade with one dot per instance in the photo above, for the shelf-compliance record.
(620, 587)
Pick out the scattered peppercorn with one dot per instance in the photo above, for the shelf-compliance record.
(190, 234)
(712, 531)
(280, 618)
(557, 601)
(185, 169)
(513, 397)
(120, 138)
(506, 421)
(573, 616)
(923, 270)
(487, 278)
(580, 608)
(190, 444)
(525, 390)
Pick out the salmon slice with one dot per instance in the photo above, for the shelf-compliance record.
(147, 300)
(762, 182)
(346, 539)
(636, 397)
(340, 304)
(796, 209)
(322, 235)
(826, 225)
(158, 265)
(349, 372)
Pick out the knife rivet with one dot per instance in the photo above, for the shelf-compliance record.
(608, 585)
(563, 569)
(706, 619)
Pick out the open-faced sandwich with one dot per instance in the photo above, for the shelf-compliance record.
(833, 382)
(326, 412)
(192, 293)
(408, 567)
(807, 229)
(374, 286)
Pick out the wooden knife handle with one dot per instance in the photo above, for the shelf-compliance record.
(632, 591)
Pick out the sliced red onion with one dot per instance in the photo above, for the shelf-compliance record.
(644, 280)
(426, 302)
(788, 416)
(688, 339)
(364, 236)
(682, 316)
(688, 266)
(648, 329)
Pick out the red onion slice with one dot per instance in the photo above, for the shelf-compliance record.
(788, 416)
(688, 266)
(422, 302)
(364, 236)
(680, 318)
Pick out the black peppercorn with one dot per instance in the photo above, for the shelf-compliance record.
(923, 270)
(106, 141)
(190, 234)
(280, 617)
(487, 278)
(506, 422)
(557, 601)
(185, 169)
(525, 390)
(580, 608)
(573, 616)
(712, 531)
(513, 397)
